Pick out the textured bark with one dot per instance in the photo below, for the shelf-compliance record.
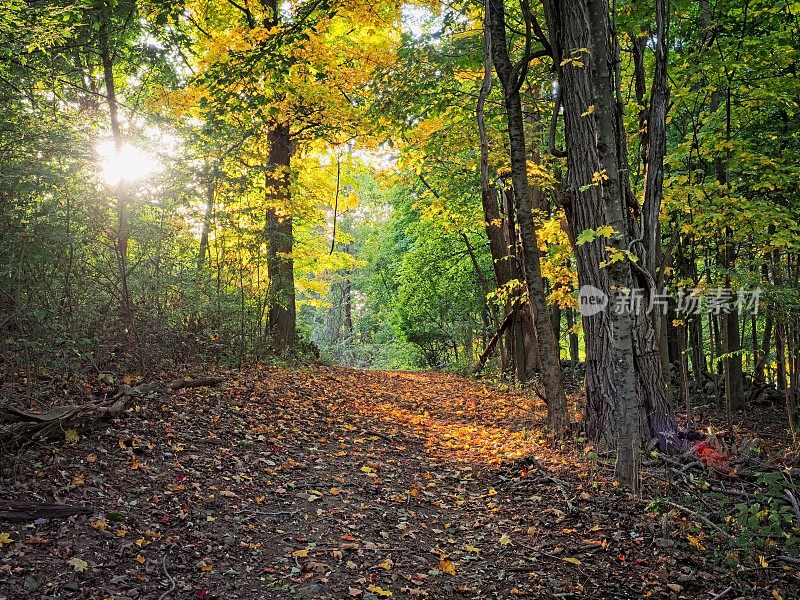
(584, 209)
(595, 143)
(282, 316)
(550, 365)
(620, 275)
(656, 147)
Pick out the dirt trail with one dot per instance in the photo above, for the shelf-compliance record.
(333, 483)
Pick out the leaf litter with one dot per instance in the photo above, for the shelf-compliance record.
(334, 483)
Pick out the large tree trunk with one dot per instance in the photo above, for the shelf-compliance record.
(584, 209)
(282, 315)
(550, 365)
(623, 368)
(615, 196)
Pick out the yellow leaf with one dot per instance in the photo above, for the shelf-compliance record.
(472, 549)
(571, 560)
(366, 469)
(206, 566)
(447, 566)
(99, 524)
(5, 539)
(386, 564)
(492, 492)
(505, 539)
(71, 436)
(762, 561)
(777, 595)
(695, 543)
(300, 553)
(589, 111)
(139, 559)
(379, 591)
(91, 458)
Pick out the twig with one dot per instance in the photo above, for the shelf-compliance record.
(795, 506)
(698, 516)
(723, 593)
(166, 572)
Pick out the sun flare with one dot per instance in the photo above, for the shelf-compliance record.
(128, 165)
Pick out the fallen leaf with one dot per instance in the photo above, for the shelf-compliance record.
(36, 539)
(386, 564)
(447, 566)
(695, 543)
(379, 591)
(79, 565)
(5, 539)
(572, 560)
(505, 539)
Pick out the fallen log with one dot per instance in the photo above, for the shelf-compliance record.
(18, 425)
(12, 510)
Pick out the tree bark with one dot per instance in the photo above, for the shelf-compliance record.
(558, 417)
(282, 314)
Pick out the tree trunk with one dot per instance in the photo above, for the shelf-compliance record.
(202, 251)
(558, 417)
(491, 212)
(121, 192)
(282, 315)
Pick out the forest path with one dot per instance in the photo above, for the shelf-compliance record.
(333, 483)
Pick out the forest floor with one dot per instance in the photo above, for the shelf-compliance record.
(333, 483)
